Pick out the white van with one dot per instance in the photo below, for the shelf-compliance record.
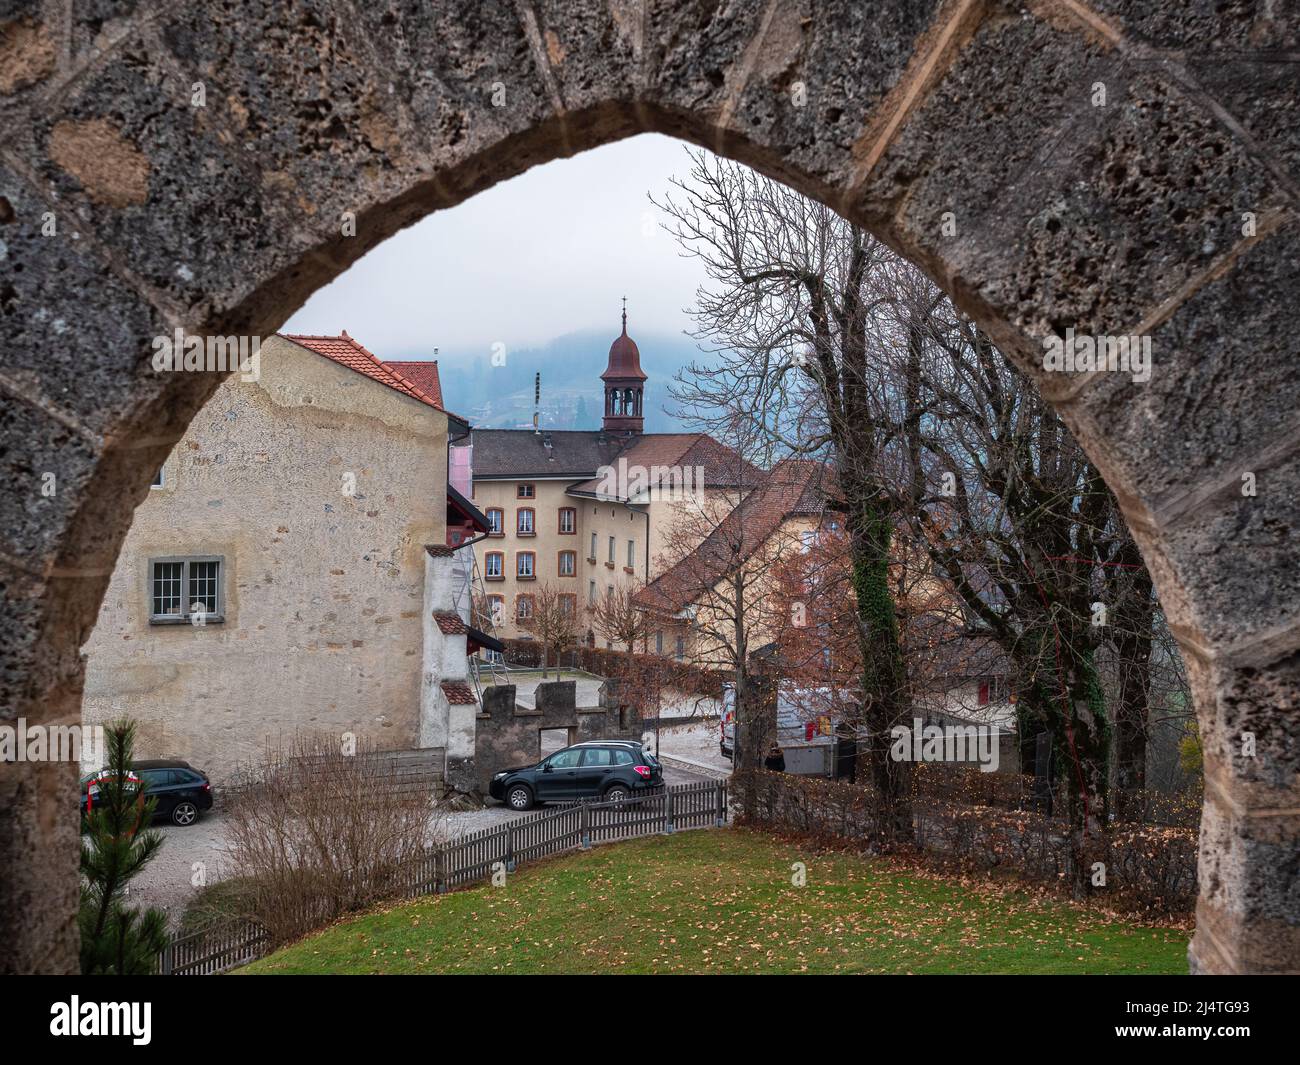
(791, 724)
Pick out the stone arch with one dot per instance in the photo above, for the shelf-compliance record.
(1093, 163)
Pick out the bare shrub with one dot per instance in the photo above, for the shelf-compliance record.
(317, 833)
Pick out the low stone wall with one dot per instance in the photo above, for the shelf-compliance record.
(509, 734)
(1148, 867)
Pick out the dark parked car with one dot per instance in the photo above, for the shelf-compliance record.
(612, 770)
(181, 790)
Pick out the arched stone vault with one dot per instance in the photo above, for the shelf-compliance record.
(1169, 210)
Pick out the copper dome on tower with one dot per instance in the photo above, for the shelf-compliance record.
(624, 385)
(624, 357)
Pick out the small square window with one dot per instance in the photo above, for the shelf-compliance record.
(526, 491)
(186, 589)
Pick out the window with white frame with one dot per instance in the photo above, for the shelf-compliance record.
(631, 554)
(524, 568)
(158, 478)
(568, 563)
(611, 550)
(592, 555)
(524, 522)
(494, 566)
(187, 588)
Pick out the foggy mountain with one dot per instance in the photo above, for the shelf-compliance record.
(495, 390)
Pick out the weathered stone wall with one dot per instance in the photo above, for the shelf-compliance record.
(510, 734)
(323, 590)
(967, 133)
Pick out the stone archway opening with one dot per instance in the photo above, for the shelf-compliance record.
(1051, 164)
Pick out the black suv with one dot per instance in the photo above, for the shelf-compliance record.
(181, 790)
(611, 770)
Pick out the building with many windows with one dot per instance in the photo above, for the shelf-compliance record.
(589, 514)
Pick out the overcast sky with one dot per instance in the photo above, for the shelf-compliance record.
(547, 253)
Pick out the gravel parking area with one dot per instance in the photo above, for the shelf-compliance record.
(199, 854)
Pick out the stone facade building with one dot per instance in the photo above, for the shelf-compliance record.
(279, 576)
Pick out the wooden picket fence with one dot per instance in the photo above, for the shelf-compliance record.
(476, 856)
(216, 948)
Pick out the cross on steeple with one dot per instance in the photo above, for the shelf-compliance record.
(625, 316)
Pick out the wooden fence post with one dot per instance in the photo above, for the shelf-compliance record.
(722, 804)
(510, 847)
(668, 814)
(584, 827)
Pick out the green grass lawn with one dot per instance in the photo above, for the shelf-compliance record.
(723, 902)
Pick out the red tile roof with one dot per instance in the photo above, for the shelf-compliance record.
(450, 624)
(793, 488)
(347, 352)
(424, 375)
(458, 694)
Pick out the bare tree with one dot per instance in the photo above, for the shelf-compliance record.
(616, 618)
(800, 301)
(553, 623)
(831, 344)
(719, 570)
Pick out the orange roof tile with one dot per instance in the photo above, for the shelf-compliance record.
(424, 375)
(458, 694)
(347, 352)
(450, 624)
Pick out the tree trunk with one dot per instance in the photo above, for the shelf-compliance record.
(1085, 738)
(755, 720)
(1133, 649)
(883, 672)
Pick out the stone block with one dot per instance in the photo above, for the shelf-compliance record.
(1205, 25)
(818, 78)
